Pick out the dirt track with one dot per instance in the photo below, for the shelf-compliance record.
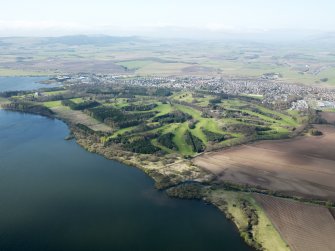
(303, 166)
(304, 227)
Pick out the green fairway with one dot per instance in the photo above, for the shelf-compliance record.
(52, 104)
(179, 140)
(189, 128)
(163, 109)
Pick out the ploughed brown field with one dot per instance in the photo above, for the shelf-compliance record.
(303, 166)
(329, 116)
(304, 227)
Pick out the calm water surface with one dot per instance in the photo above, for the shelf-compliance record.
(22, 83)
(56, 196)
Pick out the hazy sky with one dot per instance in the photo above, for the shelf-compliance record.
(43, 17)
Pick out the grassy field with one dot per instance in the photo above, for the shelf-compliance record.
(215, 125)
(278, 126)
(52, 93)
(23, 73)
(179, 140)
(163, 109)
(52, 104)
(3, 101)
(264, 232)
(181, 114)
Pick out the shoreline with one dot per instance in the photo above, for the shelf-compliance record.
(180, 178)
(234, 201)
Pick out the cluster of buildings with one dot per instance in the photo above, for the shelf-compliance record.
(298, 96)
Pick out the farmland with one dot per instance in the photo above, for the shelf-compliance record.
(303, 166)
(222, 121)
(238, 206)
(304, 227)
(329, 117)
(183, 135)
(291, 63)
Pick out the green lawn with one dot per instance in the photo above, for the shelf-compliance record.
(179, 140)
(279, 128)
(209, 124)
(52, 93)
(52, 104)
(77, 100)
(163, 109)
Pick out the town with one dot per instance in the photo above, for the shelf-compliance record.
(271, 92)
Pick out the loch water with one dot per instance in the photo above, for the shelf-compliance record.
(56, 196)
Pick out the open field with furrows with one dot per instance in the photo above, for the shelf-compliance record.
(304, 227)
(303, 166)
(329, 116)
(241, 208)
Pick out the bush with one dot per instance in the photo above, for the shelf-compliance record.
(141, 145)
(195, 142)
(80, 106)
(167, 141)
(30, 108)
(139, 107)
(315, 132)
(173, 117)
(119, 118)
(192, 124)
(212, 136)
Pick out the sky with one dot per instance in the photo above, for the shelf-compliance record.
(150, 17)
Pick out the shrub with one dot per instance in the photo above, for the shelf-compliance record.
(195, 142)
(167, 141)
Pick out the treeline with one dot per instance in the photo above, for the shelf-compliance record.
(212, 136)
(142, 145)
(271, 115)
(29, 107)
(248, 232)
(147, 107)
(167, 141)
(131, 91)
(315, 117)
(194, 142)
(241, 128)
(173, 117)
(119, 118)
(80, 106)
(9, 94)
(162, 92)
(139, 144)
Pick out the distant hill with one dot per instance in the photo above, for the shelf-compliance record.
(84, 40)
